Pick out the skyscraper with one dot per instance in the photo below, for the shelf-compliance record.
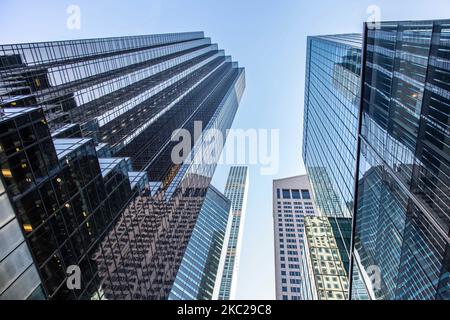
(197, 275)
(403, 211)
(63, 197)
(87, 139)
(394, 139)
(292, 202)
(330, 129)
(236, 190)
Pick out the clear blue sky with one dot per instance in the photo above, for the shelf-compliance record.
(267, 37)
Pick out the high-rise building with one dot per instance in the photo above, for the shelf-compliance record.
(19, 278)
(331, 120)
(86, 159)
(402, 222)
(63, 196)
(292, 202)
(236, 189)
(197, 276)
(379, 155)
(330, 129)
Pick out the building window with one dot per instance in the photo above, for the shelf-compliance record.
(296, 194)
(286, 194)
(306, 195)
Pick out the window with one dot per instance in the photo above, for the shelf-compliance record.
(296, 194)
(306, 195)
(286, 194)
(278, 194)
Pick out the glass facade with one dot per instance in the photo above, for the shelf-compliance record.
(330, 129)
(403, 209)
(393, 132)
(63, 197)
(89, 172)
(19, 278)
(328, 278)
(236, 190)
(197, 275)
(331, 120)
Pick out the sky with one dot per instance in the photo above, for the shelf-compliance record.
(267, 37)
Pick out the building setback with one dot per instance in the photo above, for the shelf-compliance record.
(91, 147)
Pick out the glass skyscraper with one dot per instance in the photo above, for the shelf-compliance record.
(236, 190)
(86, 160)
(330, 129)
(331, 120)
(402, 222)
(377, 153)
(64, 196)
(196, 279)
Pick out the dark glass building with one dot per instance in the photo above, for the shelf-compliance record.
(63, 196)
(198, 274)
(19, 277)
(403, 216)
(395, 137)
(86, 155)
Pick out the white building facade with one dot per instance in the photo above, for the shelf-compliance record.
(292, 202)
